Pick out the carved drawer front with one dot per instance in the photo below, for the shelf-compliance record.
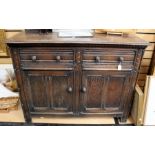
(46, 58)
(108, 59)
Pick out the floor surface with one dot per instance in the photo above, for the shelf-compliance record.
(16, 117)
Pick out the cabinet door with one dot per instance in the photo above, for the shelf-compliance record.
(104, 92)
(49, 91)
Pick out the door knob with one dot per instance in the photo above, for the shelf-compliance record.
(58, 58)
(70, 89)
(97, 59)
(84, 89)
(121, 59)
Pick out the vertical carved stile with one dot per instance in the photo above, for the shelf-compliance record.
(50, 92)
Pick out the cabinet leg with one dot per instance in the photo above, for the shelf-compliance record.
(123, 119)
(27, 117)
(28, 120)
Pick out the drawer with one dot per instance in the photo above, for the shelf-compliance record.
(108, 58)
(46, 58)
(108, 55)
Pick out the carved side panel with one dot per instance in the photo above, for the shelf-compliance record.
(21, 82)
(138, 58)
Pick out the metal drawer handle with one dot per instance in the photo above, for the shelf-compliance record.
(97, 59)
(83, 89)
(34, 58)
(58, 58)
(70, 89)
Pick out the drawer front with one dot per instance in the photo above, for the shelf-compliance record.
(108, 58)
(47, 58)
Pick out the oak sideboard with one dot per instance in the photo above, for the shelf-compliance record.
(76, 76)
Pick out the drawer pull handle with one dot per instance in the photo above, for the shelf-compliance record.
(70, 89)
(34, 58)
(58, 58)
(121, 59)
(84, 89)
(97, 59)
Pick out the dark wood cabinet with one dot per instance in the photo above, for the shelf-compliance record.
(76, 76)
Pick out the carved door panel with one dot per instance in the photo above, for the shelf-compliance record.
(49, 91)
(103, 91)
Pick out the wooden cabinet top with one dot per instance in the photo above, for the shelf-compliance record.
(99, 39)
